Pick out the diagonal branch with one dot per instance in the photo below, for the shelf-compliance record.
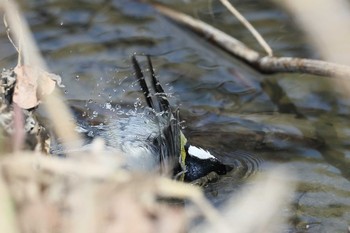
(264, 64)
(248, 25)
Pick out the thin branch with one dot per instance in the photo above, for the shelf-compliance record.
(11, 41)
(249, 26)
(301, 65)
(222, 39)
(264, 64)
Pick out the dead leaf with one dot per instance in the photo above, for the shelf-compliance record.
(32, 84)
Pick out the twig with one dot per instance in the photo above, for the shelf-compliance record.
(301, 65)
(248, 25)
(18, 135)
(169, 188)
(225, 41)
(10, 39)
(264, 64)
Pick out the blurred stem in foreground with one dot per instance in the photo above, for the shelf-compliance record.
(31, 57)
(327, 24)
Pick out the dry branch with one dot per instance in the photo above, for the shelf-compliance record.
(265, 64)
(331, 37)
(250, 27)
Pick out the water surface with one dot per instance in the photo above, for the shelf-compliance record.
(298, 121)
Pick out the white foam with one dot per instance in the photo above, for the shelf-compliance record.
(200, 153)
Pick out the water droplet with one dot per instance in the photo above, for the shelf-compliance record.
(137, 102)
(61, 23)
(131, 112)
(65, 92)
(94, 114)
(108, 106)
(90, 134)
(77, 77)
(90, 101)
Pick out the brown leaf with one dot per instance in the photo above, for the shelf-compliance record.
(32, 84)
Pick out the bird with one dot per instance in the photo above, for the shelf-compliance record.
(152, 139)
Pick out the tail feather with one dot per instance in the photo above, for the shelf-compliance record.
(169, 134)
(160, 94)
(142, 82)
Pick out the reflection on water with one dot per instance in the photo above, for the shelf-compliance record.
(294, 120)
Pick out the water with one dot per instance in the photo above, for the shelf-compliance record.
(294, 120)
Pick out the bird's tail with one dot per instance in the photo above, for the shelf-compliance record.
(170, 135)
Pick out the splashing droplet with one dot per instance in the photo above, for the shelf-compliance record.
(94, 114)
(108, 106)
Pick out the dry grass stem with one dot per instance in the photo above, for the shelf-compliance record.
(70, 195)
(331, 37)
(248, 25)
(257, 208)
(169, 188)
(18, 135)
(57, 110)
(8, 221)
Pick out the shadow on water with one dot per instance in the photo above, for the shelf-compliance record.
(285, 119)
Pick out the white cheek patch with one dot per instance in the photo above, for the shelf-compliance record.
(200, 153)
